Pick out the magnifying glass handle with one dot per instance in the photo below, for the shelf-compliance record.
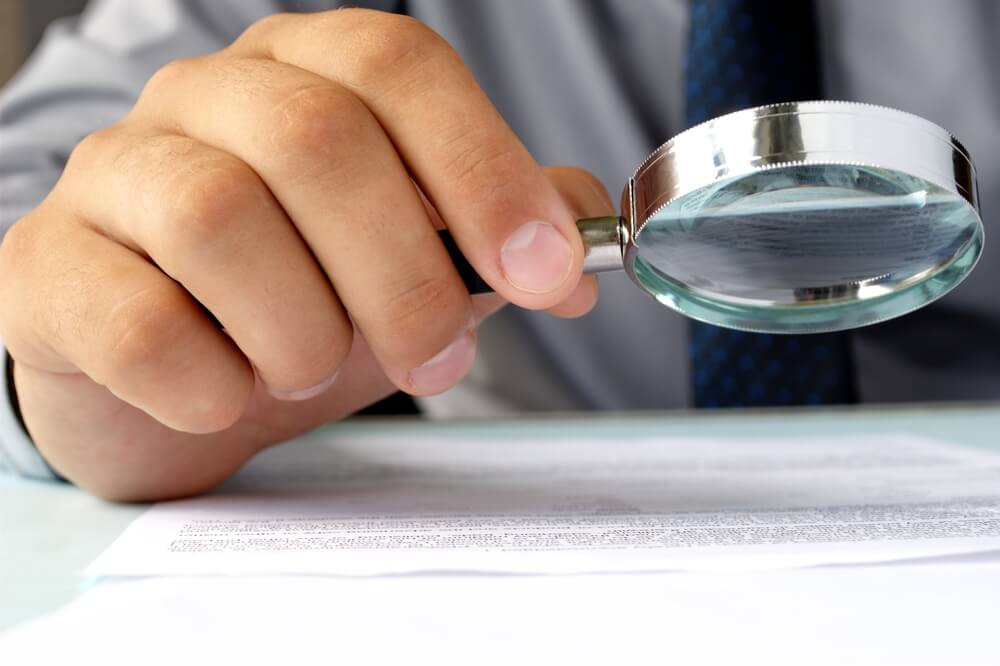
(603, 237)
(471, 279)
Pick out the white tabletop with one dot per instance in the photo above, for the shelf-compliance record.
(50, 532)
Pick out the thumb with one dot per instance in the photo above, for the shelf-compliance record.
(586, 196)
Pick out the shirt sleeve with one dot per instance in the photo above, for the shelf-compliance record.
(87, 74)
(17, 453)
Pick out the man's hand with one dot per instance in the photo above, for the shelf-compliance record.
(290, 185)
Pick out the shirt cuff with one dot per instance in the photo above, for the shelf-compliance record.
(17, 452)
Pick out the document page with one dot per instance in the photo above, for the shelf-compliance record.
(927, 614)
(364, 506)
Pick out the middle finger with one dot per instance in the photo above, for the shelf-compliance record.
(336, 174)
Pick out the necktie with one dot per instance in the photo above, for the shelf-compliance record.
(745, 53)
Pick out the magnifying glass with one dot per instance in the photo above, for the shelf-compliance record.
(803, 217)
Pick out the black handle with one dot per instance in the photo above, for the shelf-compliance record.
(471, 279)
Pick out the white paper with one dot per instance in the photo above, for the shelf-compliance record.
(880, 615)
(406, 505)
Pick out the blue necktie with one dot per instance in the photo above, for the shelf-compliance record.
(745, 53)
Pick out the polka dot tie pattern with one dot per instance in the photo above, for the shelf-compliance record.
(744, 53)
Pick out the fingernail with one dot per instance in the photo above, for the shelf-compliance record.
(303, 394)
(446, 368)
(536, 258)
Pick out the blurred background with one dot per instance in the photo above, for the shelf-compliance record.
(21, 25)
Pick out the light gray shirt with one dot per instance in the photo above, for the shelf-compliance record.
(597, 84)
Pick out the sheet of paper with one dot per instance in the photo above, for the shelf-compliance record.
(403, 505)
(880, 615)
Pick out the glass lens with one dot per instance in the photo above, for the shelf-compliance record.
(804, 249)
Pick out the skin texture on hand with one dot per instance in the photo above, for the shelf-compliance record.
(293, 190)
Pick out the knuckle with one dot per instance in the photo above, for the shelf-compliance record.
(34, 261)
(380, 43)
(149, 346)
(19, 245)
(480, 164)
(167, 82)
(30, 244)
(428, 309)
(169, 76)
(92, 148)
(139, 329)
(206, 205)
(307, 124)
(267, 25)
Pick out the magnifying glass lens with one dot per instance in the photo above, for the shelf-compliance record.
(808, 248)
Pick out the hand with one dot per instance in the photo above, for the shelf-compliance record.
(290, 185)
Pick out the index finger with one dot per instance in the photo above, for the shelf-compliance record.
(507, 218)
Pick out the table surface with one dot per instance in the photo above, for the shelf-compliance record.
(49, 532)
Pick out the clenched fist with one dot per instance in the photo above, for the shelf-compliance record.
(287, 188)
